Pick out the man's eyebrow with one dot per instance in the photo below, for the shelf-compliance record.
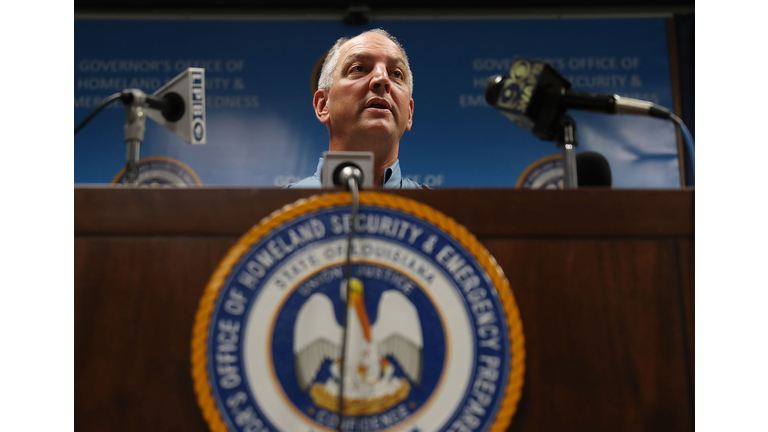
(367, 56)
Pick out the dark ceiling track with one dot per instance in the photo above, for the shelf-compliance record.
(356, 11)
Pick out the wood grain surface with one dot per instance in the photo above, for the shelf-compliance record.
(603, 334)
(603, 279)
(231, 211)
(135, 303)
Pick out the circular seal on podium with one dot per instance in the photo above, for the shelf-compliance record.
(545, 173)
(162, 171)
(435, 341)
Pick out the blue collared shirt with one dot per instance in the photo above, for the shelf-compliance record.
(393, 179)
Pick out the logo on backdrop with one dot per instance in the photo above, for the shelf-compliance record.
(160, 171)
(434, 342)
(545, 173)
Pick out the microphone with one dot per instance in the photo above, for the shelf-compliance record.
(346, 172)
(349, 175)
(534, 96)
(592, 169)
(170, 105)
(335, 162)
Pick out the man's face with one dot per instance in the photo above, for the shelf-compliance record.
(369, 97)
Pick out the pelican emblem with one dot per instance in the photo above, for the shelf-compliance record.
(369, 384)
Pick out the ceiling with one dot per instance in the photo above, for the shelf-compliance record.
(388, 6)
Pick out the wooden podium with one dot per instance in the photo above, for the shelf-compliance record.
(604, 280)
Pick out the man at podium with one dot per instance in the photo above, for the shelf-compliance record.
(364, 98)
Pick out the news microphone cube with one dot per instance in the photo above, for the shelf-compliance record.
(333, 160)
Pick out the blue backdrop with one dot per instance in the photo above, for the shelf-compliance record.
(262, 129)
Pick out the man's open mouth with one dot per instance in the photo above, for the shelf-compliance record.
(378, 103)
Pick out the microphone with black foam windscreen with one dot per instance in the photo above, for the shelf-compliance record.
(593, 170)
(534, 96)
(170, 105)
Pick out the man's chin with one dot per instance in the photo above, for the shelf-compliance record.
(375, 138)
(379, 127)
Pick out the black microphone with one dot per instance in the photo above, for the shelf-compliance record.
(171, 105)
(592, 169)
(534, 96)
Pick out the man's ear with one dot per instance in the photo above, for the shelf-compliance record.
(320, 103)
(410, 116)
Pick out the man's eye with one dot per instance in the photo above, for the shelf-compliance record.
(358, 68)
(397, 74)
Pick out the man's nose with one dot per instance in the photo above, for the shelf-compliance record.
(380, 79)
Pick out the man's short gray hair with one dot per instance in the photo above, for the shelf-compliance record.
(332, 59)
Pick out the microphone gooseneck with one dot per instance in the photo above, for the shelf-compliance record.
(350, 176)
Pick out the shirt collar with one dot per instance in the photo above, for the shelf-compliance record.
(393, 179)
